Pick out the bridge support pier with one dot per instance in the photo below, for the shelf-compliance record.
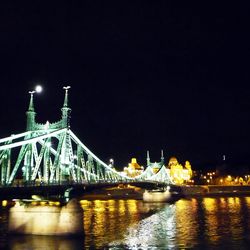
(47, 219)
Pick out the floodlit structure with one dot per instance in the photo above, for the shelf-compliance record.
(156, 166)
(46, 220)
(133, 169)
(178, 173)
(50, 153)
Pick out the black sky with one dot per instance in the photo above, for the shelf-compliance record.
(148, 75)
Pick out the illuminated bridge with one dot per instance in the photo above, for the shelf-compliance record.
(50, 157)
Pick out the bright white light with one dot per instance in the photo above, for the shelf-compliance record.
(39, 89)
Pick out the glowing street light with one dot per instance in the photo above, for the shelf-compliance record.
(38, 89)
(111, 162)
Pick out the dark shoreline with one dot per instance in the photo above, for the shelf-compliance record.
(215, 190)
(179, 192)
(194, 191)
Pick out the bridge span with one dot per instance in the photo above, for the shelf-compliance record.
(53, 156)
(69, 190)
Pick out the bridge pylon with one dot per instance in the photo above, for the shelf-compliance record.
(51, 154)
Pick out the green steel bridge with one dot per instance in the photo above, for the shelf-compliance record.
(50, 155)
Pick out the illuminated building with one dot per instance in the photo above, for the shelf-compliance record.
(133, 168)
(178, 173)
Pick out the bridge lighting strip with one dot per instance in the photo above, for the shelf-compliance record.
(13, 137)
(160, 172)
(77, 141)
(35, 139)
(149, 168)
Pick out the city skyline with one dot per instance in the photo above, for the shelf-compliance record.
(143, 76)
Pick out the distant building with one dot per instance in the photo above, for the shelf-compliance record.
(178, 173)
(133, 169)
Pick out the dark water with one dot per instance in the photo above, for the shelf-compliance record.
(205, 223)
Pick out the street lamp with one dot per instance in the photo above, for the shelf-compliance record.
(111, 161)
(38, 89)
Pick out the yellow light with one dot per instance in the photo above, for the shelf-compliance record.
(4, 203)
(57, 203)
(85, 204)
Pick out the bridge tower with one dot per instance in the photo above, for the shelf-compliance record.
(66, 110)
(148, 159)
(50, 153)
(162, 158)
(30, 113)
(32, 155)
(158, 164)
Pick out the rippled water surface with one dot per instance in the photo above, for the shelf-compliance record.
(205, 223)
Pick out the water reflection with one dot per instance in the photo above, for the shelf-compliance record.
(210, 223)
(222, 218)
(151, 231)
(107, 221)
(187, 224)
(45, 242)
(195, 223)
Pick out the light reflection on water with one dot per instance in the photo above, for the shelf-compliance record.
(209, 223)
(107, 221)
(143, 234)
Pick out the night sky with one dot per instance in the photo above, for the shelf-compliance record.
(148, 75)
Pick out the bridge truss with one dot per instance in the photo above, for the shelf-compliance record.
(51, 154)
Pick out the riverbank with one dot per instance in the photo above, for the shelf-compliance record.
(183, 192)
(214, 190)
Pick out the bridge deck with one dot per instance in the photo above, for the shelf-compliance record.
(26, 191)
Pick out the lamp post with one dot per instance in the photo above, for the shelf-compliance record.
(38, 89)
(111, 163)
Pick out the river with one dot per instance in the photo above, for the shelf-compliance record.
(196, 223)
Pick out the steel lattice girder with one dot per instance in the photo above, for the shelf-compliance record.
(88, 166)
